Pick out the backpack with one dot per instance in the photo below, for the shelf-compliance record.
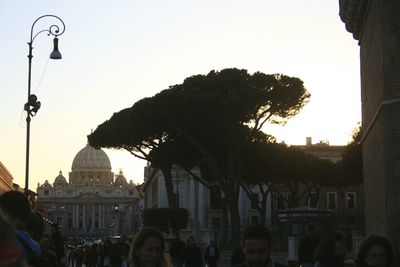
(33, 259)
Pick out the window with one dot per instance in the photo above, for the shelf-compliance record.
(215, 222)
(331, 200)
(312, 199)
(254, 220)
(131, 192)
(176, 195)
(46, 192)
(254, 201)
(282, 201)
(215, 197)
(350, 200)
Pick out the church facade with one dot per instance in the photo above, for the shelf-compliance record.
(93, 202)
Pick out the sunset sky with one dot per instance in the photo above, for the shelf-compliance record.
(118, 52)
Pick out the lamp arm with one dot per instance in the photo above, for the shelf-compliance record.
(53, 29)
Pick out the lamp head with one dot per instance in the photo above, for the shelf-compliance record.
(55, 54)
(32, 100)
(36, 107)
(32, 106)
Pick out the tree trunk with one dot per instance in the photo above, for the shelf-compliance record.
(233, 207)
(169, 187)
(225, 224)
(263, 211)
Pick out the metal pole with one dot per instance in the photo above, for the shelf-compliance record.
(28, 120)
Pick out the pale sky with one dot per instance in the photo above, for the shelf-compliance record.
(118, 52)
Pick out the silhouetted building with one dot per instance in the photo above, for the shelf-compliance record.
(6, 179)
(376, 25)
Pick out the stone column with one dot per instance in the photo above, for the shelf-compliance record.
(73, 216)
(99, 208)
(77, 215)
(103, 218)
(84, 217)
(101, 211)
(93, 215)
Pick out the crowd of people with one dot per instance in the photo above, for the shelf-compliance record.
(23, 243)
(104, 254)
(331, 251)
(149, 250)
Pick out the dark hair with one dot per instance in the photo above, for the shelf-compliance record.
(366, 245)
(7, 230)
(107, 242)
(256, 231)
(15, 204)
(35, 225)
(139, 242)
(325, 251)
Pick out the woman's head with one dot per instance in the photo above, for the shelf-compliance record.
(148, 248)
(375, 251)
(331, 249)
(107, 243)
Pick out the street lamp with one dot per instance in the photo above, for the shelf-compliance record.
(33, 105)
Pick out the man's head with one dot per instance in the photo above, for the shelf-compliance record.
(310, 228)
(54, 228)
(256, 245)
(16, 206)
(123, 238)
(191, 241)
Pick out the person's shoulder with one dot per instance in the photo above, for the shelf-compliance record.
(243, 264)
(309, 237)
(323, 264)
(24, 236)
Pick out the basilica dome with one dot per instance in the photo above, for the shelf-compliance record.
(91, 159)
(60, 180)
(120, 180)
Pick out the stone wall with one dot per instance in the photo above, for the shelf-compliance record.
(380, 82)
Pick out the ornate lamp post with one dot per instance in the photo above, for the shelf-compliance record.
(33, 105)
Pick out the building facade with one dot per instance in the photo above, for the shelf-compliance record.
(94, 202)
(206, 206)
(376, 26)
(6, 179)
